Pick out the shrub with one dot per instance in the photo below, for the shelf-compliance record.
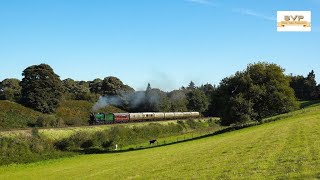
(107, 144)
(63, 144)
(24, 149)
(48, 121)
(87, 144)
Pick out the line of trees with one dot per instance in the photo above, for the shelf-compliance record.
(41, 89)
(305, 88)
(259, 91)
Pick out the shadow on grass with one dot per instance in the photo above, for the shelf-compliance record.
(304, 104)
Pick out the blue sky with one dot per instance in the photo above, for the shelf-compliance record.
(164, 42)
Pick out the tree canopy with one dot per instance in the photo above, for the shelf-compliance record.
(10, 89)
(260, 91)
(114, 86)
(41, 88)
(197, 100)
(305, 88)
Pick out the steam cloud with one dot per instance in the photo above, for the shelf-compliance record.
(134, 99)
(105, 101)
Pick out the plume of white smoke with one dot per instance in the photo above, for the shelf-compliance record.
(105, 101)
(136, 99)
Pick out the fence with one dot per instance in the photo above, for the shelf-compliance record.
(169, 140)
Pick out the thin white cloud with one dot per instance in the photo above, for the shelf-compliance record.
(249, 12)
(242, 11)
(202, 2)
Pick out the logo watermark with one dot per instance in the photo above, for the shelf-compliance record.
(294, 21)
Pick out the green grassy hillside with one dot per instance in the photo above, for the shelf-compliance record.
(287, 148)
(14, 115)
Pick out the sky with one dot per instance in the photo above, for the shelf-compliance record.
(165, 42)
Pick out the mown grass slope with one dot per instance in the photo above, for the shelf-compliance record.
(287, 148)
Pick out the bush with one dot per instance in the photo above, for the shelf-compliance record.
(87, 144)
(107, 144)
(124, 136)
(25, 149)
(49, 121)
(63, 144)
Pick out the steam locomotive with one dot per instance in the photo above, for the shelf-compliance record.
(111, 118)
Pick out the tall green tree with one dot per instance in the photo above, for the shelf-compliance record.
(311, 86)
(114, 86)
(207, 89)
(305, 88)
(297, 83)
(191, 85)
(262, 89)
(10, 89)
(197, 101)
(41, 88)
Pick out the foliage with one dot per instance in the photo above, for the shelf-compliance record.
(77, 90)
(191, 86)
(305, 88)
(14, 115)
(208, 89)
(120, 135)
(197, 100)
(260, 91)
(178, 101)
(26, 149)
(240, 110)
(10, 89)
(41, 88)
(49, 121)
(156, 100)
(96, 86)
(114, 86)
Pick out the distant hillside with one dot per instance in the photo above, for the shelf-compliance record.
(14, 115)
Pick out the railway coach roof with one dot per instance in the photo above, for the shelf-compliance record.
(119, 114)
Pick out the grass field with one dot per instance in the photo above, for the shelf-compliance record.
(287, 148)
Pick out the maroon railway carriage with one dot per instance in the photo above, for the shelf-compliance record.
(121, 117)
